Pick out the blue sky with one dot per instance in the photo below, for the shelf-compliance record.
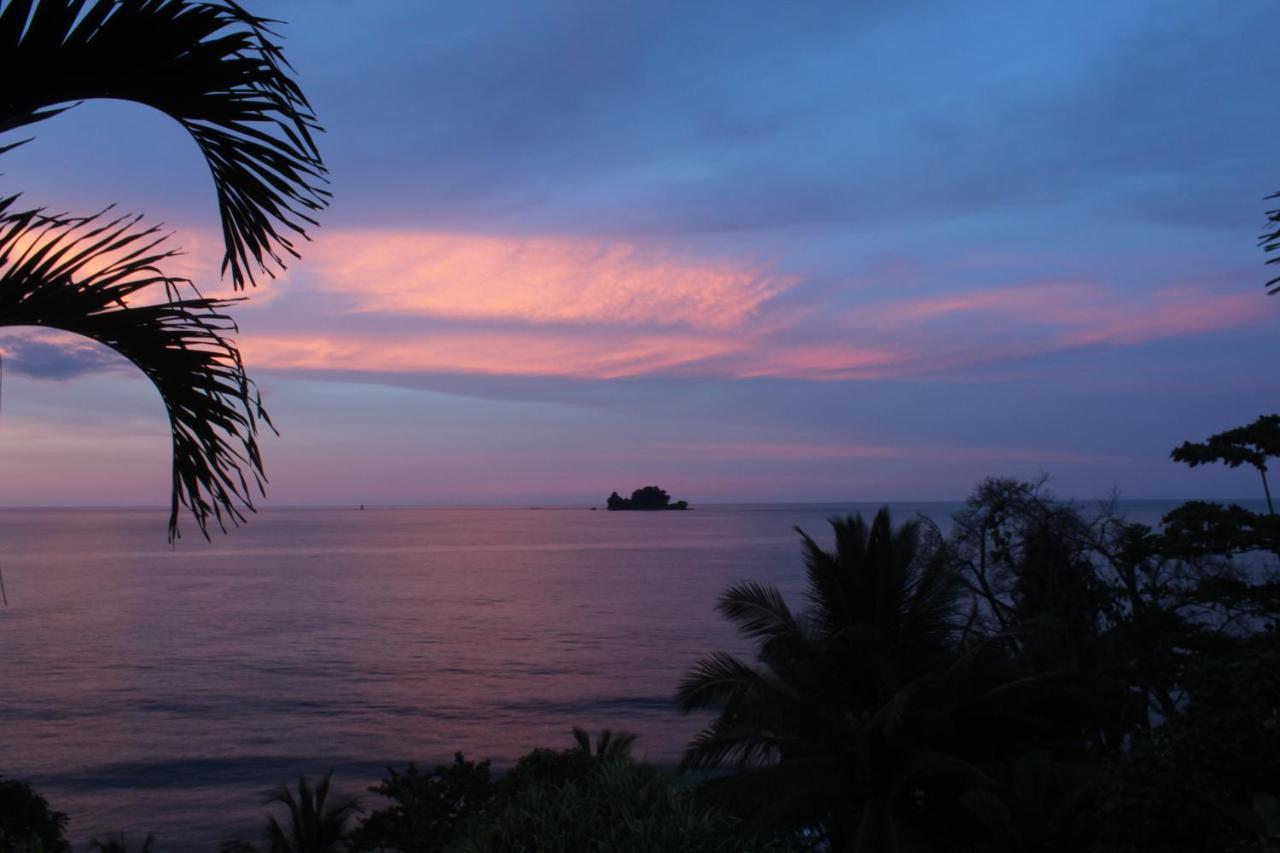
(747, 251)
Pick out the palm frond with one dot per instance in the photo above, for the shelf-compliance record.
(611, 744)
(932, 602)
(581, 740)
(827, 592)
(211, 66)
(92, 276)
(315, 825)
(1269, 240)
(778, 796)
(759, 610)
(119, 843)
(739, 745)
(720, 679)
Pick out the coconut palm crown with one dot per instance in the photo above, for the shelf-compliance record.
(835, 719)
(316, 824)
(213, 68)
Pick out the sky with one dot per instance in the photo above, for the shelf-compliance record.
(746, 251)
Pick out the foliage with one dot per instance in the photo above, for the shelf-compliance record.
(425, 808)
(212, 67)
(1250, 445)
(1194, 784)
(119, 843)
(1036, 805)
(1269, 240)
(27, 823)
(1201, 528)
(557, 767)
(1047, 678)
(618, 806)
(81, 276)
(841, 726)
(1054, 658)
(315, 825)
(649, 497)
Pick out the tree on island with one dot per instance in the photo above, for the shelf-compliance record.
(213, 68)
(650, 497)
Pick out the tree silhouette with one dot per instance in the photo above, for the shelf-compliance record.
(1250, 445)
(841, 718)
(1201, 527)
(647, 498)
(119, 843)
(212, 67)
(314, 824)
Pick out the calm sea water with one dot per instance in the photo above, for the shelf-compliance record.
(148, 688)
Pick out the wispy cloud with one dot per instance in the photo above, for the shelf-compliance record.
(528, 353)
(540, 280)
(1007, 323)
(486, 305)
(810, 451)
(42, 354)
(437, 303)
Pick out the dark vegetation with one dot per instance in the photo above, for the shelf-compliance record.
(650, 497)
(1044, 677)
(27, 822)
(213, 68)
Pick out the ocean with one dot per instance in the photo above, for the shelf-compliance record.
(149, 688)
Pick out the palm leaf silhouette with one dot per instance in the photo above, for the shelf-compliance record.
(81, 275)
(119, 843)
(836, 721)
(314, 824)
(212, 67)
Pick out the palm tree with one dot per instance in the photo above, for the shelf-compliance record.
(609, 746)
(834, 730)
(119, 843)
(314, 825)
(561, 766)
(212, 67)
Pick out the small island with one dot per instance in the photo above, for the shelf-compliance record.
(650, 497)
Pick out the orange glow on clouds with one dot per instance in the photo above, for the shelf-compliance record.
(1084, 312)
(540, 280)
(492, 353)
(430, 302)
(571, 307)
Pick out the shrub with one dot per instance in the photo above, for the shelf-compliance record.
(27, 822)
(425, 807)
(618, 806)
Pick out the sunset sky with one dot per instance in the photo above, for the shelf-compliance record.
(745, 251)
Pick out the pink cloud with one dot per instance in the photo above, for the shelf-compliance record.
(399, 301)
(539, 280)
(522, 352)
(805, 451)
(995, 324)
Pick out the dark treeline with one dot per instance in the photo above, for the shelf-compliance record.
(647, 498)
(1046, 677)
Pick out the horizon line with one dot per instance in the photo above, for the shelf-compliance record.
(355, 505)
